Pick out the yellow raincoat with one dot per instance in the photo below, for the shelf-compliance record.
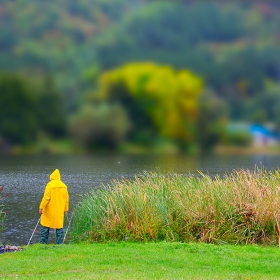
(55, 202)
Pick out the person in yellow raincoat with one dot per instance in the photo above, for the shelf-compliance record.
(54, 204)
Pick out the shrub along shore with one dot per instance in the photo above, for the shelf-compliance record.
(240, 207)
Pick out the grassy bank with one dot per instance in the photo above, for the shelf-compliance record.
(142, 261)
(241, 207)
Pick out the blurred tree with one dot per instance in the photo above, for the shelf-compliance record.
(26, 109)
(39, 37)
(232, 45)
(7, 39)
(99, 126)
(265, 107)
(212, 120)
(18, 111)
(258, 116)
(143, 129)
(165, 31)
(157, 99)
(238, 138)
(51, 110)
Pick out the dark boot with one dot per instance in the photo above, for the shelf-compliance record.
(44, 235)
(59, 236)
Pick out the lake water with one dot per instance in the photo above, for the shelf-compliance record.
(25, 177)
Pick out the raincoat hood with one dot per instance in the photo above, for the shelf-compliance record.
(55, 175)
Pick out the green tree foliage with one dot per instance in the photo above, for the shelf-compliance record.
(18, 118)
(221, 41)
(233, 45)
(51, 110)
(264, 108)
(212, 120)
(39, 37)
(217, 41)
(157, 99)
(99, 126)
(238, 138)
(26, 110)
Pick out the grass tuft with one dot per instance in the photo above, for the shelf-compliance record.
(241, 207)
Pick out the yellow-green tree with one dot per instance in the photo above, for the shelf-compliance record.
(156, 97)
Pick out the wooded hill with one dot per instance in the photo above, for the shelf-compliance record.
(234, 47)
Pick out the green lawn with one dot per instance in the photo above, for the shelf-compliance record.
(141, 261)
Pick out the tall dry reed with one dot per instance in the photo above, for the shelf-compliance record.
(240, 207)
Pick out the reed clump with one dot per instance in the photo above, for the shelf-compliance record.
(2, 206)
(241, 207)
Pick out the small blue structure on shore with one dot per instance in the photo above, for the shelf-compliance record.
(263, 136)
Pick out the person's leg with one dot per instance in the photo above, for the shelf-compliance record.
(44, 235)
(59, 235)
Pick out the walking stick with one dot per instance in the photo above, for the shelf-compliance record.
(33, 231)
(68, 227)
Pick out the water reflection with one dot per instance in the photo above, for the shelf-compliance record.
(26, 176)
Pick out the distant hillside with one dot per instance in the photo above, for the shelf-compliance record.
(233, 46)
(38, 37)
